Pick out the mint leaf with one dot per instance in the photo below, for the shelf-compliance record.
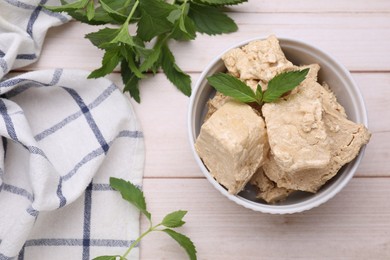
(130, 80)
(211, 20)
(232, 87)
(90, 10)
(184, 27)
(150, 60)
(180, 79)
(110, 60)
(259, 93)
(102, 36)
(108, 257)
(174, 219)
(183, 241)
(130, 193)
(153, 19)
(67, 6)
(282, 83)
(113, 13)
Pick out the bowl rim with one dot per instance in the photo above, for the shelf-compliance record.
(309, 203)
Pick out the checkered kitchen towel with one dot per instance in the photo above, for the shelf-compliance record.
(62, 137)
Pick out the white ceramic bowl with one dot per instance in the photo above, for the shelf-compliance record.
(347, 93)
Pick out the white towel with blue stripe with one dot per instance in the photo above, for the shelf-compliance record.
(62, 137)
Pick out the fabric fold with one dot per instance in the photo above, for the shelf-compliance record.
(63, 137)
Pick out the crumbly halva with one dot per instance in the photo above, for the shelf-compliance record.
(232, 144)
(345, 138)
(267, 189)
(306, 139)
(260, 60)
(296, 131)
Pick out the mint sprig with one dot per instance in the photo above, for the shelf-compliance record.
(155, 20)
(135, 196)
(277, 86)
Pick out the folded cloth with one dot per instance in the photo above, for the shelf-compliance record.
(63, 136)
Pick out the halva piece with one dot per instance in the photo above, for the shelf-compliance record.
(296, 131)
(232, 144)
(260, 60)
(345, 138)
(267, 189)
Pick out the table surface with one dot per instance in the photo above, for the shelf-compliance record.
(353, 225)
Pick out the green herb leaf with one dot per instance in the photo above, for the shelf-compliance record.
(282, 83)
(153, 19)
(211, 20)
(101, 37)
(183, 241)
(180, 79)
(131, 81)
(174, 219)
(113, 13)
(90, 10)
(232, 87)
(259, 93)
(68, 6)
(110, 60)
(164, 20)
(184, 27)
(130, 193)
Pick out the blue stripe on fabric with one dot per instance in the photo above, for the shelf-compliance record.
(34, 17)
(18, 191)
(32, 56)
(87, 222)
(21, 254)
(95, 153)
(12, 133)
(90, 156)
(87, 114)
(60, 195)
(8, 121)
(56, 77)
(3, 65)
(29, 83)
(33, 212)
(19, 4)
(78, 242)
(106, 93)
(2, 54)
(101, 187)
(36, 150)
(5, 146)
(11, 82)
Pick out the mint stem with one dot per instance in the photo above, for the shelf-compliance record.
(132, 12)
(136, 242)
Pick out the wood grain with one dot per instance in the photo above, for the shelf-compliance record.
(66, 47)
(303, 6)
(353, 225)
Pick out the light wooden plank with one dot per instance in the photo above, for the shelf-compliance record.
(299, 6)
(353, 225)
(369, 34)
(376, 94)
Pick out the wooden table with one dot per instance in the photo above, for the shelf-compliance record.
(353, 225)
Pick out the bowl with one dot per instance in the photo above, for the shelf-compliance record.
(347, 93)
